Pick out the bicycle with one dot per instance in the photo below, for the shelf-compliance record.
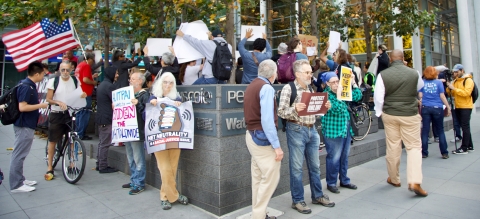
(74, 157)
(360, 117)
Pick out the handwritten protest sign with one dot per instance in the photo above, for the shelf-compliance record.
(308, 41)
(315, 104)
(168, 126)
(124, 120)
(345, 84)
(42, 95)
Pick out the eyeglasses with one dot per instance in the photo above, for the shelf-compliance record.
(64, 70)
(307, 72)
(334, 82)
(168, 82)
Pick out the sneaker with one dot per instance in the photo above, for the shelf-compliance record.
(429, 141)
(333, 189)
(324, 200)
(29, 183)
(471, 149)
(23, 188)
(108, 170)
(302, 207)
(127, 186)
(459, 151)
(456, 139)
(445, 156)
(166, 205)
(182, 200)
(136, 190)
(270, 217)
(437, 139)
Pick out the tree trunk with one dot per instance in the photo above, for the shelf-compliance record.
(160, 19)
(230, 35)
(299, 2)
(366, 29)
(106, 28)
(313, 21)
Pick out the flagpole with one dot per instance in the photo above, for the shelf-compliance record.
(78, 38)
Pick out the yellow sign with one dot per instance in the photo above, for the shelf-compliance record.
(344, 91)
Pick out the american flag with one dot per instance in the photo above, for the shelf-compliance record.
(39, 41)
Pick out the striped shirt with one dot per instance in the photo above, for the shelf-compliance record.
(288, 112)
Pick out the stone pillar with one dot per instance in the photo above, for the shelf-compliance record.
(416, 51)
(263, 12)
(464, 32)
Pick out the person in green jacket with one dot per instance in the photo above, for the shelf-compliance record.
(337, 131)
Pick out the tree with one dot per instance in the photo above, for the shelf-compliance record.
(383, 17)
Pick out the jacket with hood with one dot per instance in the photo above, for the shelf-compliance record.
(104, 98)
(462, 94)
(123, 67)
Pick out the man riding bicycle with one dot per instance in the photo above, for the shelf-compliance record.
(60, 90)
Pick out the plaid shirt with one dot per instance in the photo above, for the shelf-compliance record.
(334, 122)
(288, 112)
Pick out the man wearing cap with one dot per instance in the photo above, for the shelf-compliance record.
(302, 140)
(88, 49)
(461, 90)
(251, 60)
(207, 49)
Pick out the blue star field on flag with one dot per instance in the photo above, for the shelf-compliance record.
(52, 29)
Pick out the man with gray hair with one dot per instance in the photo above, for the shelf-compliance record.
(302, 139)
(135, 150)
(169, 64)
(260, 108)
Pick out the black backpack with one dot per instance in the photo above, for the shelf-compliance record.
(474, 91)
(11, 112)
(57, 79)
(293, 95)
(222, 63)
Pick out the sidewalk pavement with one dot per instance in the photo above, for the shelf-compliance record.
(453, 186)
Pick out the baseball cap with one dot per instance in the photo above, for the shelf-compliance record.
(457, 67)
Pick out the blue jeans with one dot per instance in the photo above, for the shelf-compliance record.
(456, 125)
(203, 80)
(136, 160)
(82, 118)
(303, 143)
(338, 150)
(433, 115)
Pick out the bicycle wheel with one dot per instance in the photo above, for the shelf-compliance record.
(74, 161)
(56, 156)
(363, 122)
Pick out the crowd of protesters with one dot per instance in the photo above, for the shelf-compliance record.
(408, 102)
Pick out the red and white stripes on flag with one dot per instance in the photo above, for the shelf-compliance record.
(39, 41)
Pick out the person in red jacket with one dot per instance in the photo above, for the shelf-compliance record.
(84, 74)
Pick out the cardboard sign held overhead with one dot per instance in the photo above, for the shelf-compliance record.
(334, 40)
(158, 46)
(183, 50)
(258, 32)
(308, 41)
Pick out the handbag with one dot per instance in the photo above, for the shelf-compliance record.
(259, 137)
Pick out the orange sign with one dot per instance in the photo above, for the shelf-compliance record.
(308, 41)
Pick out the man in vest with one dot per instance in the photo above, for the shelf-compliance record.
(260, 108)
(302, 140)
(395, 100)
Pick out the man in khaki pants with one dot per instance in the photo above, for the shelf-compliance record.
(395, 100)
(260, 108)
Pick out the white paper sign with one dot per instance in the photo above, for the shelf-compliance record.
(137, 46)
(183, 50)
(257, 32)
(311, 51)
(124, 121)
(334, 40)
(98, 55)
(158, 46)
(168, 126)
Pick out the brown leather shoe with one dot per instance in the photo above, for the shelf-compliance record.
(418, 190)
(389, 181)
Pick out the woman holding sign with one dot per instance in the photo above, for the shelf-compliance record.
(336, 128)
(167, 160)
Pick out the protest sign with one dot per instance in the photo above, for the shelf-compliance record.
(183, 50)
(334, 40)
(258, 32)
(345, 84)
(308, 41)
(137, 46)
(315, 104)
(42, 95)
(168, 126)
(124, 120)
(158, 46)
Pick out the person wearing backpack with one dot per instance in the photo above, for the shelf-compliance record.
(214, 47)
(285, 62)
(251, 60)
(462, 89)
(24, 127)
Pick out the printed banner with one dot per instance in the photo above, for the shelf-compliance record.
(124, 120)
(315, 104)
(168, 126)
(345, 84)
(42, 98)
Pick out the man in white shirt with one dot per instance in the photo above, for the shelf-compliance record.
(59, 116)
